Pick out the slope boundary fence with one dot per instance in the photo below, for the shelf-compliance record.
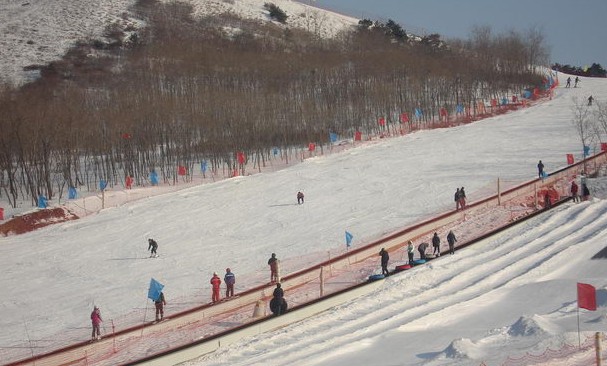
(314, 289)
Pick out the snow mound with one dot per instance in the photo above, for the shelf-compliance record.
(463, 348)
(531, 326)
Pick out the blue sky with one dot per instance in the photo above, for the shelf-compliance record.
(575, 30)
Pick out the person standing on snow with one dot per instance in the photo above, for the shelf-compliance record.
(574, 191)
(96, 321)
(585, 192)
(385, 257)
(159, 303)
(540, 169)
(278, 304)
(451, 240)
(278, 291)
(300, 198)
(456, 197)
(230, 280)
(153, 246)
(568, 82)
(436, 245)
(462, 198)
(273, 263)
(422, 250)
(590, 99)
(215, 282)
(410, 250)
(577, 80)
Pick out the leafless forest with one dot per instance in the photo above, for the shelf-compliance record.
(183, 90)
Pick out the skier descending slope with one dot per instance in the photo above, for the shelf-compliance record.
(153, 246)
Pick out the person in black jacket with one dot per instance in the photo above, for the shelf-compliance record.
(278, 291)
(540, 169)
(385, 257)
(153, 246)
(451, 240)
(436, 245)
(422, 250)
(278, 304)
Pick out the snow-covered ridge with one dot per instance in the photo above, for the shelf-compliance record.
(36, 32)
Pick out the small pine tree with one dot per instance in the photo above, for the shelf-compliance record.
(276, 13)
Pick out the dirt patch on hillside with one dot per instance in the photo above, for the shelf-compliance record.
(35, 220)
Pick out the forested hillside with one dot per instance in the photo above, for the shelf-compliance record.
(184, 90)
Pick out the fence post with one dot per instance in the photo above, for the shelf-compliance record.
(597, 343)
(499, 193)
(322, 282)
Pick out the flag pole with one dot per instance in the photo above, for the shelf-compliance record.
(578, 327)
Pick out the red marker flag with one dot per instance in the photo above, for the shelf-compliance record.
(586, 296)
(569, 159)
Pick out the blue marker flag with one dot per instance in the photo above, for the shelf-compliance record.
(155, 289)
(42, 201)
(586, 151)
(332, 136)
(203, 166)
(72, 193)
(154, 178)
(418, 113)
(102, 184)
(459, 109)
(349, 238)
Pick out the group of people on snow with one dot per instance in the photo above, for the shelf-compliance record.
(422, 247)
(574, 190)
(230, 280)
(568, 85)
(460, 199)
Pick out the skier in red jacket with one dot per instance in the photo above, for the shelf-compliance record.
(215, 282)
(574, 192)
(96, 321)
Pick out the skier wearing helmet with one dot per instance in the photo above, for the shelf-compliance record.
(230, 280)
